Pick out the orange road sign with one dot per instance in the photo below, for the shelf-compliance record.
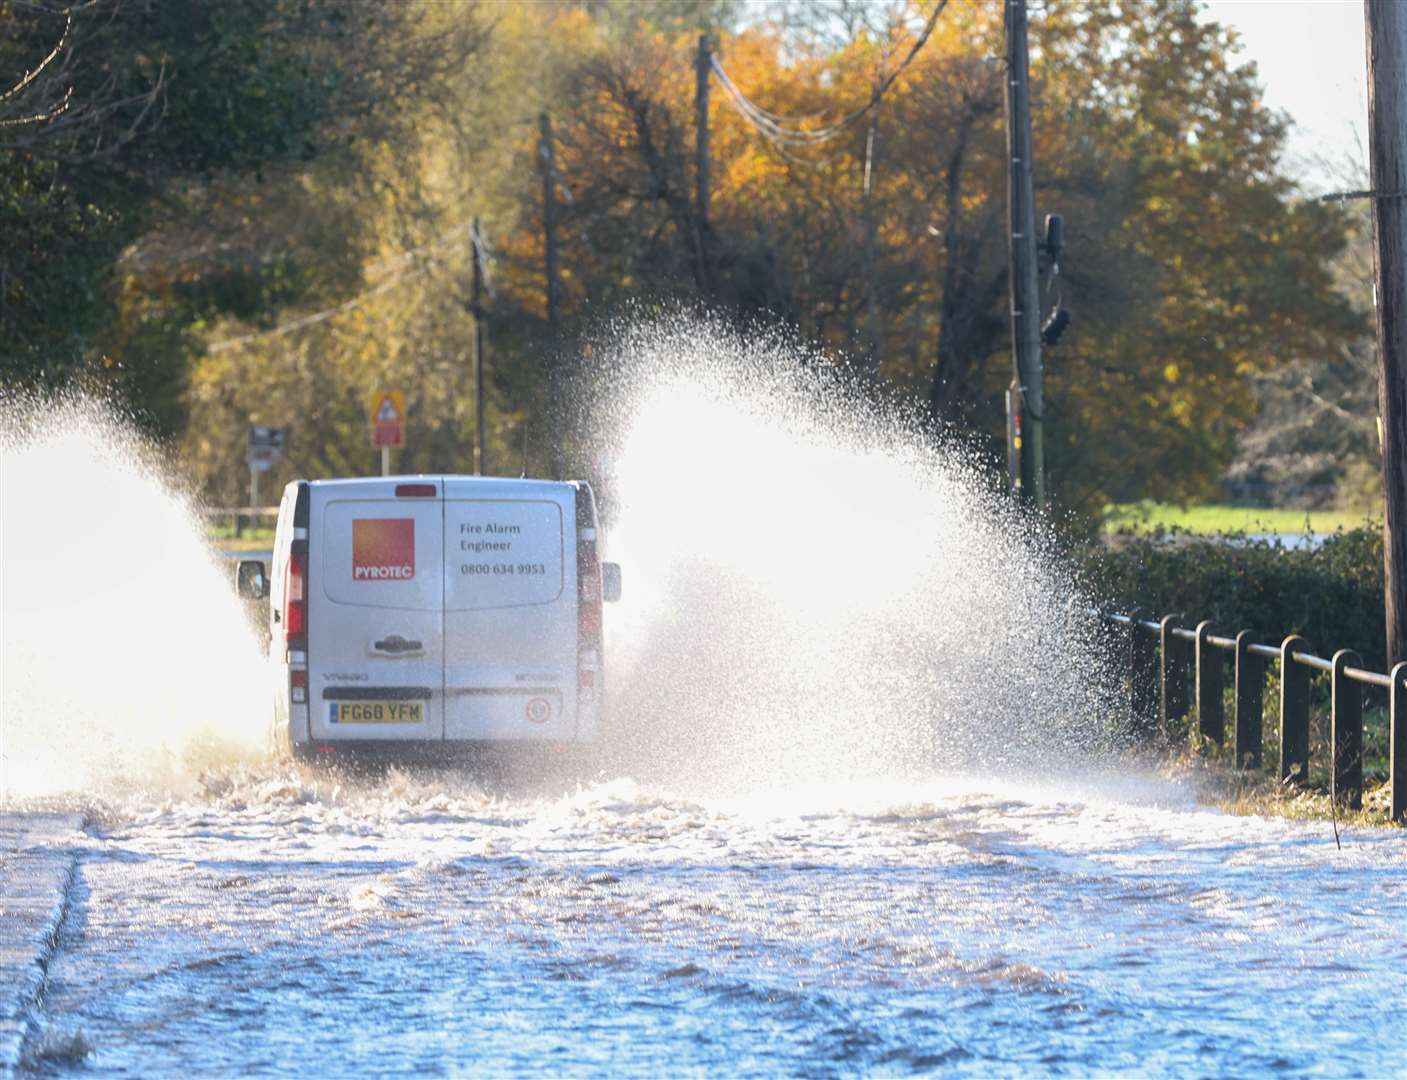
(387, 415)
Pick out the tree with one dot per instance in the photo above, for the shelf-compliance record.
(1228, 269)
(283, 266)
(126, 107)
(377, 232)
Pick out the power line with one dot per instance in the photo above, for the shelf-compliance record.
(760, 121)
(310, 320)
(779, 144)
(783, 132)
(446, 240)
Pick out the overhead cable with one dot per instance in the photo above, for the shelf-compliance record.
(457, 236)
(783, 131)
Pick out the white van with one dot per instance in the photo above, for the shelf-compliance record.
(420, 612)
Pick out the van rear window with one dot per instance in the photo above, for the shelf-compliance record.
(502, 553)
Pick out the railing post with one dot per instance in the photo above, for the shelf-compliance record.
(1294, 711)
(1173, 673)
(1346, 731)
(1397, 735)
(1143, 678)
(1250, 700)
(1211, 681)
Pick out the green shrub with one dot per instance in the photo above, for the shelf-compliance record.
(1332, 594)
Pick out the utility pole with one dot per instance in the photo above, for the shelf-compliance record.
(703, 67)
(480, 462)
(1026, 397)
(549, 222)
(1386, 31)
(872, 335)
(548, 160)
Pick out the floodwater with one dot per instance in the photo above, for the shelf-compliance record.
(291, 923)
(863, 803)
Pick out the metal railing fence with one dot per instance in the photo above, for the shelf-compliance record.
(241, 517)
(1166, 659)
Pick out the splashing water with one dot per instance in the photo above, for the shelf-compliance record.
(817, 590)
(818, 593)
(127, 659)
(825, 620)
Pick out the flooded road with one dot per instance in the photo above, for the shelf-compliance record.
(813, 852)
(285, 923)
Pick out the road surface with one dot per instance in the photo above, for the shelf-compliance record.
(284, 922)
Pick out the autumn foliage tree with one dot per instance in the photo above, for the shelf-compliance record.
(1191, 261)
(278, 271)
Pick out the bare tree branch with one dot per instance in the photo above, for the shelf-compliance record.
(19, 87)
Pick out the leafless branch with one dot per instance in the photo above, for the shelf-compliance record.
(19, 87)
(37, 118)
(45, 114)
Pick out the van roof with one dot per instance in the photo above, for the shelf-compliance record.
(488, 481)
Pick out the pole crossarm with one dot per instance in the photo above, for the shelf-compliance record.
(1341, 196)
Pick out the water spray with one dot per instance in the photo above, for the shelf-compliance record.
(820, 589)
(127, 660)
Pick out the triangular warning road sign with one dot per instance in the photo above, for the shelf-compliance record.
(386, 411)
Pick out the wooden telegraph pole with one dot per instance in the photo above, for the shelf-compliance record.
(548, 161)
(1026, 397)
(480, 461)
(1386, 26)
(872, 334)
(549, 221)
(703, 69)
(703, 66)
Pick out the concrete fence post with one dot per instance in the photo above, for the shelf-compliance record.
(1211, 681)
(1294, 711)
(1250, 700)
(1346, 731)
(1397, 735)
(1172, 681)
(1143, 678)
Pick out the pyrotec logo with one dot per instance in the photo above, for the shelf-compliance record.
(383, 549)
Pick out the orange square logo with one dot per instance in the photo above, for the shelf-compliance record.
(383, 549)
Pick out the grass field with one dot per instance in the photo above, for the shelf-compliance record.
(1139, 517)
(245, 543)
(255, 539)
(1148, 516)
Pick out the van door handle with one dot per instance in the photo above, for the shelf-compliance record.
(395, 645)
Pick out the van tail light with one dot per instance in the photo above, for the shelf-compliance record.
(295, 598)
(588, 581)
(589, 609)
(588, 603)
(298, 685)
(588, 661)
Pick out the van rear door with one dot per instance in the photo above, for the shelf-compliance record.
(376, 608)
(510, 610)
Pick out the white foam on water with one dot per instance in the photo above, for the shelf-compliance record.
(128, 662)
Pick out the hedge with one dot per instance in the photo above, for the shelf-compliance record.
(1331, 593)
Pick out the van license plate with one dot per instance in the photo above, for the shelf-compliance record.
(376, 712)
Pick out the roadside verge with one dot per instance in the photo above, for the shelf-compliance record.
(37, 862)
